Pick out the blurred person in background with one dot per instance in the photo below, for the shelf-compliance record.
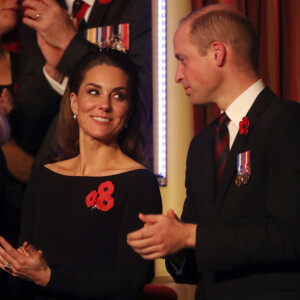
(4, 134)
(19, 162)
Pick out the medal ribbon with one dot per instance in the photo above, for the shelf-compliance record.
(243, 163)
(104, 36)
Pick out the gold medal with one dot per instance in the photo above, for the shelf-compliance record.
(238, 180)
(245, 178)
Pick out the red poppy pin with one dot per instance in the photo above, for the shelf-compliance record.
(244, 125)
(102, 198)
(105, 1)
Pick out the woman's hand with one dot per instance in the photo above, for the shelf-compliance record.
(6, 102)
(26, 262)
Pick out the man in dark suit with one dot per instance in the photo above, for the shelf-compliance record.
(52, 44)
(239, 234)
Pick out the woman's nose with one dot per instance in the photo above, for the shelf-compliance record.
(104, 103)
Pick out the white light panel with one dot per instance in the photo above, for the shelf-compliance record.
(162, 91)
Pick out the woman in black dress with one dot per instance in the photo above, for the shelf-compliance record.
(79, 210)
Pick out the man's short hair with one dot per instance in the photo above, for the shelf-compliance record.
(224, 23)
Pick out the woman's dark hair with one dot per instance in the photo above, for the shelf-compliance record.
(130, 139)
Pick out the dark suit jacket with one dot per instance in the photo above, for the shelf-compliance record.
(248, 237)
(37, 103)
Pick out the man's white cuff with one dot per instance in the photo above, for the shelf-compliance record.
(58, 87)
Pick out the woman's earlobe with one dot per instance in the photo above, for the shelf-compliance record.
(73, 102)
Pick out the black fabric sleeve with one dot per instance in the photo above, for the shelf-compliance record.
(36, 102)
(131, 272)
(3, 178)
(188, 268)
(77, 48)
(19, 288)
(29, 208)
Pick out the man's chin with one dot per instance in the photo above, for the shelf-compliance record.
(193, 99)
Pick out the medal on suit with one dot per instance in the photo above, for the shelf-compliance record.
(246, 177)
(238, 180)
(243, 168)
(112, 36)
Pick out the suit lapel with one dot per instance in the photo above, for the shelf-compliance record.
(207, 186)
(98, 14)
(202, 166)
(239, 146)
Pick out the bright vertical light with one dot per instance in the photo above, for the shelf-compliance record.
(162, 91)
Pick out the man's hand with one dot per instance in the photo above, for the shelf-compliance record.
(53, 23)
(162, 236)
(51, 54)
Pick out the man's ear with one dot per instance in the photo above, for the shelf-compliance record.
(73, 103)
(219, 51)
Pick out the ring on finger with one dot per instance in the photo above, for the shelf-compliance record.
(37, 16)
(7, 267)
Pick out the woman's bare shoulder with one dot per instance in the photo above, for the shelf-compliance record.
(65, 167)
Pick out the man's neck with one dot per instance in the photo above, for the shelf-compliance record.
(234, 87)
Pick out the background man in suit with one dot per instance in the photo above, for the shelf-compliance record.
(239, 234)
(52, 43)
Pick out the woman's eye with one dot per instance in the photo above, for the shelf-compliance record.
(119, 96)
(93, 92)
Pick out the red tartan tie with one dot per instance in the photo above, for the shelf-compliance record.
(221, 148)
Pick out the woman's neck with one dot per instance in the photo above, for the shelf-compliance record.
(98, 159)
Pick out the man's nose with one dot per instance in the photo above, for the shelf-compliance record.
(178, 74)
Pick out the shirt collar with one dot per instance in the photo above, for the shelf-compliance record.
(241, 105)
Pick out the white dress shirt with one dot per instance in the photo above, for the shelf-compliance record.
(240, 107)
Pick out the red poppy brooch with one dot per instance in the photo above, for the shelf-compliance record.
(102, 198)
(244, 125)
